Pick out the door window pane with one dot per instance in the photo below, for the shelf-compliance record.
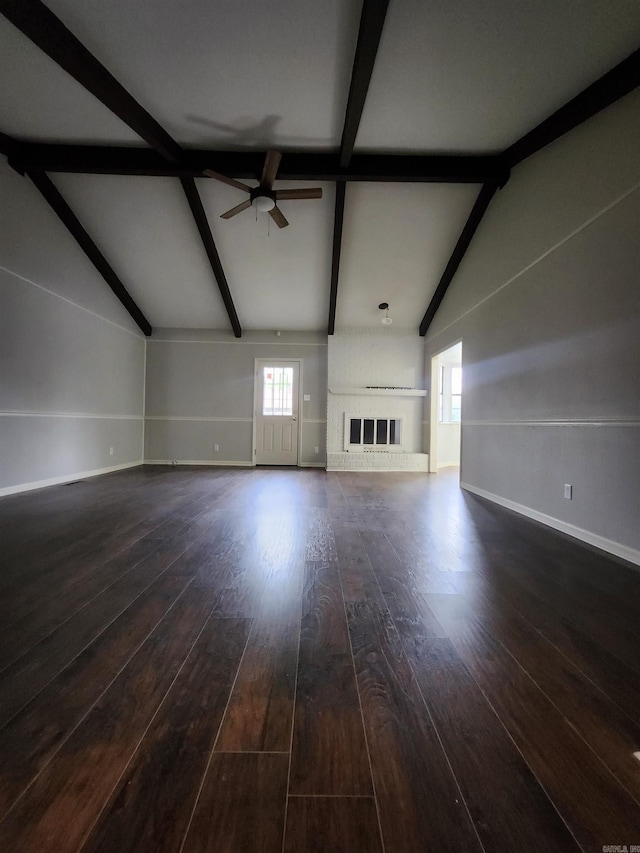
(277, 391)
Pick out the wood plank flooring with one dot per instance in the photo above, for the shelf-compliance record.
(290, 661)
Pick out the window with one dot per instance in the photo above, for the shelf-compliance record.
(456, 394)
(450, 399)
(277, 391)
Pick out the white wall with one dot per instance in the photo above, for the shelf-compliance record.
(71, 359)
(448, 445)
(547, 305)
(384, 357)
(199, 393)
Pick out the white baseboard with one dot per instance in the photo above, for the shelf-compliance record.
(615, 548)
(66, 478)
(219, 464)
(211, 463)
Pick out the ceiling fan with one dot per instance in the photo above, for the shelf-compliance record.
(263, 198)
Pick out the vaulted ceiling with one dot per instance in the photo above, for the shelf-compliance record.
(467, 78)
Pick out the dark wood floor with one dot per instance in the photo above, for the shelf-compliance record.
(281, 660)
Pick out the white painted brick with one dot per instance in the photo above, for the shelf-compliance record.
(377, 461)
(386, 357)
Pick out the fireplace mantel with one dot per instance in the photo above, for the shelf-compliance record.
(378, 392)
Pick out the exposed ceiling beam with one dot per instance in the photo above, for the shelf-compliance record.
(247, 165)
(48, 32)
(64, 212)
(477, 212)
(335, 254)
(612, 86)
(8, 146)
(371, 24)
(195, 203)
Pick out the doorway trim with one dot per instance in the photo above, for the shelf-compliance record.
(299, 362)
(433, 408)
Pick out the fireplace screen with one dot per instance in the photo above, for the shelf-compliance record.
(372, 433)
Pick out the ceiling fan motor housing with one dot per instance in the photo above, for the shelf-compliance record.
(263, 199)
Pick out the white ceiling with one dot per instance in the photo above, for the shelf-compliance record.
(227, 73)
(145, 229)
(396, 242)
(463, 76)
(40, 101)
(279, 277)
(475, 75)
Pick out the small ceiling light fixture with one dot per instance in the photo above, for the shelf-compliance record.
(386, 320)
(263, 200)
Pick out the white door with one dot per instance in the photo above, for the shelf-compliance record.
(276, 414)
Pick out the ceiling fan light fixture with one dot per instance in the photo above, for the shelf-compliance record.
(263, 203)
(386, 320)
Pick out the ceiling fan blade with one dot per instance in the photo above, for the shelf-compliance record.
(225, 180)
(270, 168)
(235, 210)
(315, 192)
(278, 217)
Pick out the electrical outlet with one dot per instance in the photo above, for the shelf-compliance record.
(111, 451)
(568, 491)
(316, 450)
(216, 447)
